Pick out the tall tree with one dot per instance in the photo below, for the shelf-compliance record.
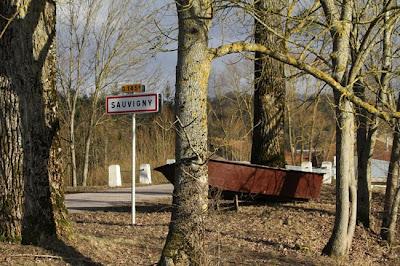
(269, 88)
(368, 123)
(366, 135)
(389, 218)
(29, 113)
(185, 240)
(392, 194)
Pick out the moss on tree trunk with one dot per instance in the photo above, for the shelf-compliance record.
(185, 240)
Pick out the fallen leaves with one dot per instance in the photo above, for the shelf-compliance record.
(266, 233)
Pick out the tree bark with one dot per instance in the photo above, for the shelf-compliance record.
(88, 142)
(28, 59)
(366, 135)
(390, 230)
(346, 187)
(11, 158)
(365, 146)
(368, 124)
(269, 91)
(346, 191)
(389, 218)
(185, 240)
(391, 184)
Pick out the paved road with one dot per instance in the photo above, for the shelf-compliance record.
(116, 197)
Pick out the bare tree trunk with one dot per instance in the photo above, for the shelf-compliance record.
(366, 135)
(302, 139)
(346, 191)
(88, 142)
(311, 137)
(106, 153)
(72, 148)
(269, 91)
(328, 152)
(71, 80)
(11, 157)
(89, 133)
(290, 133)
(346, 187)
(390, 232)
(391, 184)
(368, 124)
(389, 218)
(72, 99)
(30, 42)
(365, 146)
(185, 240)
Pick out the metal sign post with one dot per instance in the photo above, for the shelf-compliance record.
(138, 103)
(133, 169)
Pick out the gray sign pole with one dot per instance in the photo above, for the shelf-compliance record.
(133, 168)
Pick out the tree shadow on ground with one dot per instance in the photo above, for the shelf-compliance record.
(126, 223)
(265, 258)
(226, 205)
(311, 210)
(68, 253)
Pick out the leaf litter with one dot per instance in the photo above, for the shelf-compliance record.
(260, 233)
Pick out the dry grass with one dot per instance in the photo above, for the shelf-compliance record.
(264, 233)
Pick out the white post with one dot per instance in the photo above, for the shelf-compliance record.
(133, 168)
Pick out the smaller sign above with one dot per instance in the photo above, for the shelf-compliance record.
(129, 88)
(136, 103)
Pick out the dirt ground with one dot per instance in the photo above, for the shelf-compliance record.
(262, 233)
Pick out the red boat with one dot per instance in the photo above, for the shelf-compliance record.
(255, 179)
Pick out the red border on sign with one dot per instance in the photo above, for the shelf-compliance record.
(155, 110)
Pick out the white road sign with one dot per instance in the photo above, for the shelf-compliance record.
(139, 103)
(135, 103)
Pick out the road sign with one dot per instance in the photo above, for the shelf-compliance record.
(135, 103)
(138, 103)
(133, 88)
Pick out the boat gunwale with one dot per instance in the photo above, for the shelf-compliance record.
(263, 166)
(250, 165)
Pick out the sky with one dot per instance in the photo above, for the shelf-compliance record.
(159, 33)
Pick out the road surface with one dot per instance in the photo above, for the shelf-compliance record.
(116, 197)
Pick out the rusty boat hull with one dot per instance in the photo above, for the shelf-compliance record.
(254, 179)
